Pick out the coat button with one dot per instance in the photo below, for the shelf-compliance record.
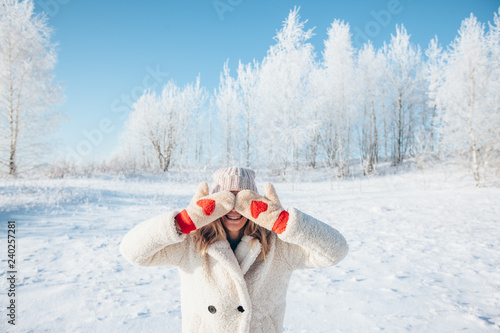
(212, 309)
(240, 309)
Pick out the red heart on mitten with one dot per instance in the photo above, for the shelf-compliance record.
(257, 207)
(208, 206)
(280, 225)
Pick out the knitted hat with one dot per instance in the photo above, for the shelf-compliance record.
(234, 179)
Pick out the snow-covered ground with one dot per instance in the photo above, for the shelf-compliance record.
(424, 254)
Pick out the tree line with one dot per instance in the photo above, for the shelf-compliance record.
(295, 109)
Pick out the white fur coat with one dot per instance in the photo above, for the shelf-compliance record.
(226, 291)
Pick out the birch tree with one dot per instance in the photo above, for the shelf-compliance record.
(228, 106)
(339, 95)
(493, 40)
(27, 90)
(160, 129)
(284, 77)
(248, 76)
(468, 98)
(147, 124)
(369, 76)
(315, 148)
(194, 121)
(434, 77)
(404, 88)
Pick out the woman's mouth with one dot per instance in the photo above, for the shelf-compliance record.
(234, 218)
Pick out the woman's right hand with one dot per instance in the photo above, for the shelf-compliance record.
(204, 208)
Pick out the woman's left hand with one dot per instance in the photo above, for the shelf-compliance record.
(266, 210)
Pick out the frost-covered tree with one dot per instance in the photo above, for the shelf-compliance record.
(404, 82)
(493, 40)
(468, 98)
(154, 120)
(282, 86)
(228, 106)
(196, 142)
(434, 76)
(314, 150)
(339, 96)
(247, 80)
(27, 90)
(369, 77)
(161, 129)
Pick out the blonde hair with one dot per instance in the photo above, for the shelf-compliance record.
(213, 232)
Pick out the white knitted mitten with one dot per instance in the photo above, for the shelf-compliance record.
(204, 208)
(266, 210)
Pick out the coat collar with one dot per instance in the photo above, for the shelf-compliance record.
(221, 251)
(247, 252)
(239, 261)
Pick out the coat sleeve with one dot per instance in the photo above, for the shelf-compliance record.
(310, 243)
(154, 242)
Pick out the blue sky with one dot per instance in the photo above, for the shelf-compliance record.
(109, 51)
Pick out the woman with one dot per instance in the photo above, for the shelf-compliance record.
(236, 251)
